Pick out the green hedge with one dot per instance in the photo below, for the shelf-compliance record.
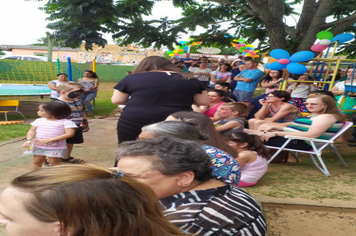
(112, 73)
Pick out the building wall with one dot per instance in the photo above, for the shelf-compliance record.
(130, 54)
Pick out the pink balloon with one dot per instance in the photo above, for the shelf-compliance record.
(318, 48)
(283, 61)
(250, 51)
(246, 50)
(176, 54)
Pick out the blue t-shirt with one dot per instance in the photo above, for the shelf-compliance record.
(255, 75)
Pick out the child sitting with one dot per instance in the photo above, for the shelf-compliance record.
(300, 91)
(230, 115)
(251, 157)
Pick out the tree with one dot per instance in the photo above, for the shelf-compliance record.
(76, 21)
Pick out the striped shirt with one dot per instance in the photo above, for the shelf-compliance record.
(220, 211)
(303, 124)
(77, 111)
(52, 128)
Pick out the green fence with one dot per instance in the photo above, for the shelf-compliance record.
(38, 72)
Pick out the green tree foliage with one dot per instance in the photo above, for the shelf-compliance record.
(75, 21)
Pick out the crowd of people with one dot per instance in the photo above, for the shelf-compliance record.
(186, 147)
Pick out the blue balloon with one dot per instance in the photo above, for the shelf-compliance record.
(279, 54)
(302, 56)
(276, 66)
(185, 48)
(342, 38)
(296, 68)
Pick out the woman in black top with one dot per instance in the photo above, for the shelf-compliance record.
(155, 90)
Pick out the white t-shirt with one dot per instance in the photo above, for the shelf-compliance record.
(302, 91)
(198, 70)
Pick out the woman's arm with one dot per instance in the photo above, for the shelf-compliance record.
(199, 109)
(119, 97)
(270, 84)
(335, 90)
(52, 86)
(213, 78)
(261, 114)
(96, 84)
(201, 99)
(319, 125)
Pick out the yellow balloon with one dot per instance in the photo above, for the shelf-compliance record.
(171, 54)
(175, 51)
(256, 51)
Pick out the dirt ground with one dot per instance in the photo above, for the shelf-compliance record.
(285, 217)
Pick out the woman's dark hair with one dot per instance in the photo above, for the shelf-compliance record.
(207, 127)
(281, 94)
(220, 92)
(170, 156)
(254, 143)
(268, 78)
(62, 74)
(59, 110)
(93, 74)
(229, 67)
(157, 63)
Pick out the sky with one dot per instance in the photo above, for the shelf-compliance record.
(23, 23)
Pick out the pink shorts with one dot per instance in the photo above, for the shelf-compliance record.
(243, 184)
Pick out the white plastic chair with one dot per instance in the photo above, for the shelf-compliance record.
(318, 146)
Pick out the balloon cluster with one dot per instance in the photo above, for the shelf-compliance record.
(285, 60)
(182, 48)
(245, 48)
(326, 38)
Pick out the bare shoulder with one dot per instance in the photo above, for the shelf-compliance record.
(325, 118)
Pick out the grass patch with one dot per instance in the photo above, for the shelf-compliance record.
(306, 181)
(13, 131)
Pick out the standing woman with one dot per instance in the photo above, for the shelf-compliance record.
(90, 81)
(157, 89)
(53, 85)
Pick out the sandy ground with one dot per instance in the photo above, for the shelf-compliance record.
(283, 218)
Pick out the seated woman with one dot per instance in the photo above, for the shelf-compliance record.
(275, 109)
(339, 89)
(206, 126)
(300, 91)
(216, 100)
(81, 200)
(252, 157)
(324, 121)
(179, 173)
(223, 164)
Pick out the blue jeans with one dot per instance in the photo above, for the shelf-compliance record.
(87, 98)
